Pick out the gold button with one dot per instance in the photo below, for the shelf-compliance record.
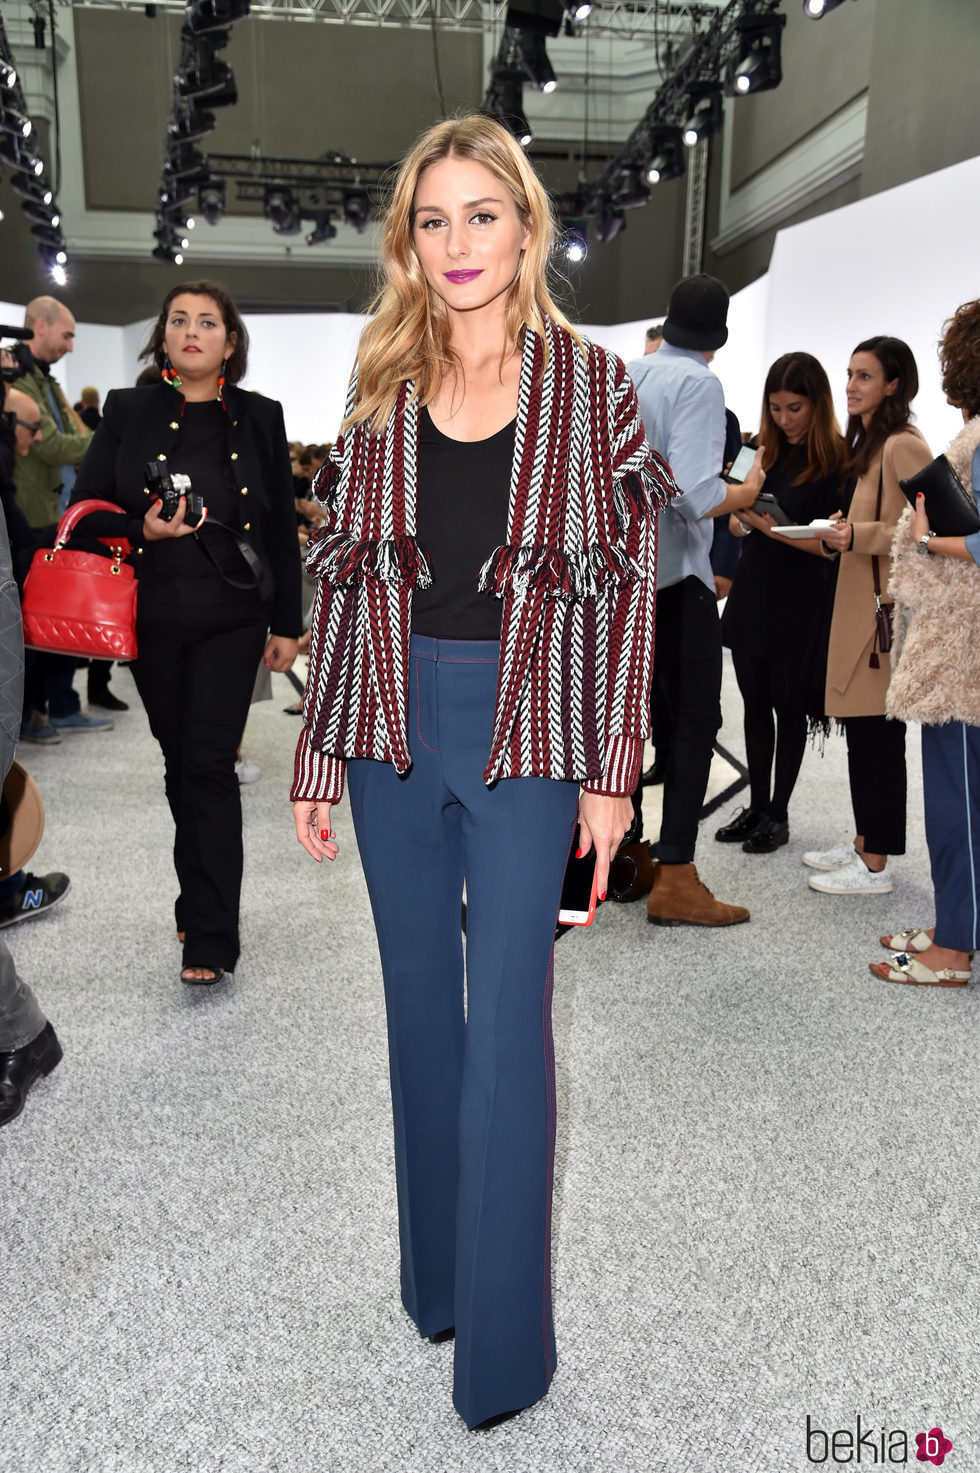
(247, 527)
(244, 490)
(174, 425)
(161, 457)
(234, 455)
(235, 423)
(146, 490)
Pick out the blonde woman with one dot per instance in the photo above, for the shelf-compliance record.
(480, 669)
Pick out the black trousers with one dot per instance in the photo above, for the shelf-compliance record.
(687, 680)
(195, 673)
(766, 745)
(876, 768)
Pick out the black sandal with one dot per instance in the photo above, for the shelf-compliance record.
(219, 975)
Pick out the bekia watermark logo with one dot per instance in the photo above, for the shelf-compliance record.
(875, 1445)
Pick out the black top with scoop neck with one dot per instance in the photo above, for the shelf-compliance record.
(461, 517)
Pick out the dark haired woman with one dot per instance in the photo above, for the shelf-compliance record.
(936, 586)
(777, 618)
(884, 448)
(209, 593)
(479, 671)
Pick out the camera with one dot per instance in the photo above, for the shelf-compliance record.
(170, 488)
(19, 352)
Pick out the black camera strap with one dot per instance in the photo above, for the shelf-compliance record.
(247, 552)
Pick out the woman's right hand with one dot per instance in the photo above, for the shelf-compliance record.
(312, 819)
(155, 529)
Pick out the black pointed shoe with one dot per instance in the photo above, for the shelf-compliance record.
(768, 834)
(20, 1067)
(745, 822)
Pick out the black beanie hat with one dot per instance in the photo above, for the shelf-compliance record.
(697, 314)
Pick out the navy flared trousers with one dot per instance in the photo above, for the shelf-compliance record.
(472, 1073)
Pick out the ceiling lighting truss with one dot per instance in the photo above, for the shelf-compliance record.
(18, 143)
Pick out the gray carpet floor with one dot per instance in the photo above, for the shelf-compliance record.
(767, 1177)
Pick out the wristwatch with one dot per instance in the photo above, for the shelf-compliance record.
(923, 544)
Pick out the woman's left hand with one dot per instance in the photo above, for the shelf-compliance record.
(920, 521)
(280, 652)
(839, 535)
(760, 520)
(602, 822)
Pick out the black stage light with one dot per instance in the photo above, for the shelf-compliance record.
(577, 9)
(53, 255)
(323, 229)
(574, 242)
(632, 188)
(14, 151)
(12, 122)
(507, 102)
(185, 162)
(168, 254)
(40, 214)
(758, 67)
(704, 117)
(211, 200)
(666, 156)
(534, 59)
(215, 15)
(279, 208)
(816, 9)
(191, 125)
(8, 76)
(176, 193)
(357, 210)
(543, 17)
(49, 234)
(28, 186)
(610, 221)
(209, 80)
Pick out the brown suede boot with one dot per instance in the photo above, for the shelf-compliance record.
(646, 868)
(680, 898)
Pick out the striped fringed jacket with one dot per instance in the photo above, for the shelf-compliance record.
(576, 576)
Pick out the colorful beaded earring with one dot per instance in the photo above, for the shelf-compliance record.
(221, 384)
(170, 374)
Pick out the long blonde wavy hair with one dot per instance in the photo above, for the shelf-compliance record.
(409, 334)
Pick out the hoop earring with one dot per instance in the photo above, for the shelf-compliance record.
(221, 385)
(170, 374)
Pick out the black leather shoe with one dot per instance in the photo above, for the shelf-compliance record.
(654, 774)
(745, 822)
(767, 835)
(21, 1066)
(106, 701)
(441, 1336)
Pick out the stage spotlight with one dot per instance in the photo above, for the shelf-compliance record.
(666, 156)
(210, 80)
(8, 76)
(53, 255)
(211, 200)
(279, 208)
(40, 214)
(14, 152)
(758, 68)
(357, 210)
(168, 254)
(534, 59)
(574, 241)
(191, 125)
(816, 9)
(30, 187)
(215, 15)
(323, 229)
(632, 188)
(610, 221)
(12, 122)
(185, 163)
(49, 235)
(59, 275)
(507, 103)
(577, 9)
(704, 117)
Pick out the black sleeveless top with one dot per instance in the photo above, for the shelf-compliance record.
(462, 500)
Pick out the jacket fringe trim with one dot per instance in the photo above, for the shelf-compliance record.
(342, 560)
(558, 573)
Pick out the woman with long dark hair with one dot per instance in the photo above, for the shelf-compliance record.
(936, 586)
(480, 670)
(777, 618)
(884, 448)
(209, 590)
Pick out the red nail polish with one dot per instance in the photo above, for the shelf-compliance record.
(324, 834)
(578, 854)
(603, 895)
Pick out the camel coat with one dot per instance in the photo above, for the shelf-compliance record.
(853, 687)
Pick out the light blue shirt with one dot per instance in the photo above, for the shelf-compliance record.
(683, 408)
(973, 541)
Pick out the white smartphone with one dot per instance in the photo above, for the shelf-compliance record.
(578, 892)
(741, 465)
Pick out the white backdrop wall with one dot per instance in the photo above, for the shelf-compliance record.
(899, 262)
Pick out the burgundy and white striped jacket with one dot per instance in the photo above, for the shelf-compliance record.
(576, 576)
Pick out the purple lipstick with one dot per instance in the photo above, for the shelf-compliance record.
(459, 277)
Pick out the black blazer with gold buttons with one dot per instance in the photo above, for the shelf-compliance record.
(139, 425)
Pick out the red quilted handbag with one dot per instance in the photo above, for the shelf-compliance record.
(81, 603)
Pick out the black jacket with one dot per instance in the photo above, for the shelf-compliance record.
(139, 425)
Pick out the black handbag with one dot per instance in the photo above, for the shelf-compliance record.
(950, 507)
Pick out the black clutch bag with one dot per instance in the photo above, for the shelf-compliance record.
(950, 507)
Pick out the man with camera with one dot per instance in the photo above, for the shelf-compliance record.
(44, 479)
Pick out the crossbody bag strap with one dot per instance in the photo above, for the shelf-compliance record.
(873, 661)
(247, 552)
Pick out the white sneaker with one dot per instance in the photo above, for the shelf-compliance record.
(830, 858)
(855, 879)
(246, 773)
